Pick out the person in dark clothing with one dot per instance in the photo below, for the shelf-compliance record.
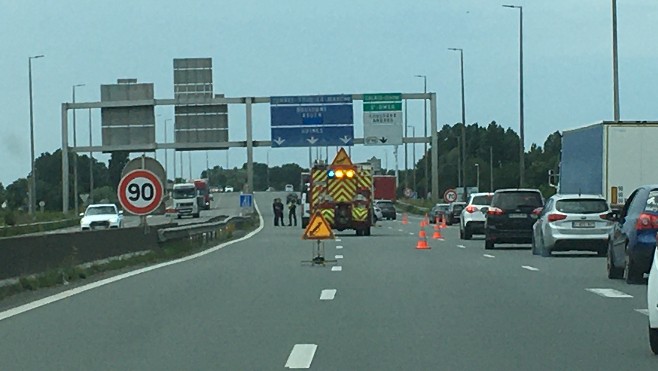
(292, 212)
(277, 207)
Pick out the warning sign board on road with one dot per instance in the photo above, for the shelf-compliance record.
(140, 192)
(318, 228)
(342, 159)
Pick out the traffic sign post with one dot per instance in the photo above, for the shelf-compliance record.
(246, 203)
(318, 229)
(450, 196)
(382, 119)
(140, 192)
(312, 121)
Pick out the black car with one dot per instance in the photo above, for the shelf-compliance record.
(454, 212)
(387, 208)
(511, 216)
(438, 212)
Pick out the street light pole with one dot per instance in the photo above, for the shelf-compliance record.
(424, 77)
(521, 128)
(463, 129)
(165, 151)
(32, 184)
(477, 181)
(91, 165)
(75, 155)
(615, 63)
(413, 130)
(491, 188)
(406, 148)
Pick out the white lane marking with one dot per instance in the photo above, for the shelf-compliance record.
(529, 268)
(339, 247)
(339, 256)
(610, 293)
(336, 268)
(328, 294)
(301, 356)
(488, 256)
(78, 290)
(390, 227)
(338, 240)
(400, 230)
(412, 233)
(461, 246)
(643, 311)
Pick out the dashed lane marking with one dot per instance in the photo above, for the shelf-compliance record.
(336, 268)
(339, 256)
(301, 356)
(488, 256)
(643, 311)
(610, 293)
(328, 294)
(339, 247)
(529, 268)
(461, 246)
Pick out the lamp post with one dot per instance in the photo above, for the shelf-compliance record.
(424, 77)
(615, 63)
(75, 154)
(521, 129)
(91, 164)
(268, 169)
(477, 181)
(463, 131)
(32, 184)
(165, 151)
(413, 131)
(406, 148)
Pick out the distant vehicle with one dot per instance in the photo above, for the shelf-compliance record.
(377, 213)
(228, 189)
(289, 188)
(385, 187)
(203, 192)
(101, 216)
(292, 197)
(472, 218)
(270, 189)
(186, 200)
(214, 190)
(454, 212)
(388, 209)
(652, 301)
(573, 222)
(511, 216)
(634, 236)
(438, 211)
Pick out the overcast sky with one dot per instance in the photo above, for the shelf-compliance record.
(303, 47)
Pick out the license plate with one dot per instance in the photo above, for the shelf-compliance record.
(518, 216)
(581, 224)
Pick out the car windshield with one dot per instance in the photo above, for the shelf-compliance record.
(518, 200)
(652, 201)
(182, 193)
(385, 204)
(484, 200)
(582, 206)
(101, 210)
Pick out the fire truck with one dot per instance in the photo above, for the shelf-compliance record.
(343, 193)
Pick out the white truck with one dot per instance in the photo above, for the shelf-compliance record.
(608, 158)
(185, 200)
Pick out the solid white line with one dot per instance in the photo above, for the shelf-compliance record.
(336, 268)
(488, 256)
(66, 294)
(328, 294)
(610, 293)
(301, 356)
(339, 256)
(461, 246)
(643, 311)
(339, 247)
(529, 268)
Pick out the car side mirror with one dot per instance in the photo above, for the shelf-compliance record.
(120, 212)
(82, 214)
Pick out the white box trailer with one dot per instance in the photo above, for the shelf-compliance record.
(609, 158)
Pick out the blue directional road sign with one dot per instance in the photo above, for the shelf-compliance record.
(246, 200)
(312, 121)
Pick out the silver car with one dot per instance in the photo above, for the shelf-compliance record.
(573, 222)
(472, 218)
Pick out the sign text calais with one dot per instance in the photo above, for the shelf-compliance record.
(382, 119)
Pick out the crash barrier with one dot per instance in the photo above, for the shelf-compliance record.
(16, 230)
(419, 210)
(208, 231)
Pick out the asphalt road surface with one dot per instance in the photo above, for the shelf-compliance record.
(254, 306)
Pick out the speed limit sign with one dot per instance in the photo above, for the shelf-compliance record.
(450, 196)
(140, 192)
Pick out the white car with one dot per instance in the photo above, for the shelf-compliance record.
(652, 299)
(471, 220)
(378, 213)
(290, 188)
(101, 216)
(228, 189)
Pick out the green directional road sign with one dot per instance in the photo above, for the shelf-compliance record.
(382, 119)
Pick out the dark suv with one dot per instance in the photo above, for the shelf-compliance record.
(454, 212)
(511, 216)
(388, 209)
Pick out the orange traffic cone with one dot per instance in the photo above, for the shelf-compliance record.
(423, 223)
(443, 222)
(437, 232)
(422, 240)
(405, 220)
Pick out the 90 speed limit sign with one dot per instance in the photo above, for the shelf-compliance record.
(140, 192)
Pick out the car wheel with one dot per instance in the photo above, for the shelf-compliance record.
(630, 272)
(467, 233)
(395, 217)
(461, 234)
(653, 340)
(614, 273)
(195, 215)
(366, 232)
(535, 250)
(603, 251)
(545, 251)
(488, 245)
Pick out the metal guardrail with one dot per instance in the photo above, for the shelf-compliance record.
(207, 230)
(38, 224)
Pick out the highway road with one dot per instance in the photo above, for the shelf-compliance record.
(254, 306)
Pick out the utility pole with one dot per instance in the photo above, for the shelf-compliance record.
(615, 63)
(32, 181)
(491, 188)
(406, 148)
(91, 164)
(75, 156)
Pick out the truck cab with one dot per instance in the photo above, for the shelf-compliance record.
(203, 193)
(186, 200)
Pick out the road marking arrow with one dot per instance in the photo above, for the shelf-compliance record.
(345, 139)
(383, 139)
(279, 141)
(312, 140)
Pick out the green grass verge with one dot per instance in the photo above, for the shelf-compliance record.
(418, 207)
(10, 231)
(169, 251)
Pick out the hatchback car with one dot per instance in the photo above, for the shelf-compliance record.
(573, 222)
(101, 216)
(454, 212)
(511, 216)
(652, 301)
(289, 188)
(439, 211)
(472, 218)
(634, 236)
(388, 209)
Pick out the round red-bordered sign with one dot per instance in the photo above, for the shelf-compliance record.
(450, 196)
(140, 192)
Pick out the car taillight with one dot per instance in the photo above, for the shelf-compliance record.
(471, 209)
(537, 211)
(495, 211)
(556, 217)
(646, 221)
(607, 216)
